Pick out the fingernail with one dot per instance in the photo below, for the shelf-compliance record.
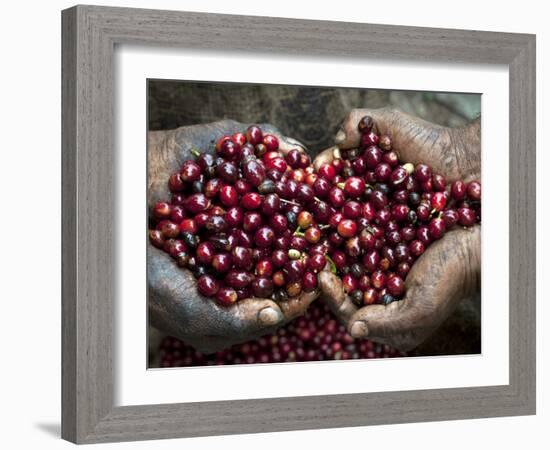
(359, 329)
(269, 317)
(340, 137)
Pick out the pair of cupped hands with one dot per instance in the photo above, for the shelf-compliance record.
(448, 271)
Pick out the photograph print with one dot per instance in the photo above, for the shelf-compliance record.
(296, 224)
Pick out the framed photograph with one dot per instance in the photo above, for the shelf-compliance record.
(273, 230)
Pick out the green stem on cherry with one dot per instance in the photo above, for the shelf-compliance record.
(289, 202)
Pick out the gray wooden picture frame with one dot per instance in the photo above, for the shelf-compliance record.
(90, 34)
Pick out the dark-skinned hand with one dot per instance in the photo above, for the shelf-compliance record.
(175, 306)
(450, 268)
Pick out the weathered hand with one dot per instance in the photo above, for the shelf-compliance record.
(452, 152)
(175, 306)
(450, 268)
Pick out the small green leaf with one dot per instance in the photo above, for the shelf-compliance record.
(332, 264)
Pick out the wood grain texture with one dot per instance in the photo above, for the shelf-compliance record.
(68, 226)
(523, 225)
(87, 196)
(89, 36)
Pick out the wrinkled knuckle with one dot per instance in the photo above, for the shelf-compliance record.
(395, 116)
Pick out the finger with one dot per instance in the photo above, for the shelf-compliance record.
(256, 315)
(286, 144)
(176, 306)
(348, 135)
(203, 137)
(380, 322)
(447, 272)
(252, 318)
(175, 290)
(334, 296)
(415, 140)
(167, 150)
(246, 320)
(259, 314)
(326, 157)
(384, 122)
(297, 306)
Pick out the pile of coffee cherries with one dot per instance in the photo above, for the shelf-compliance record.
(388, 213)
(236, 219)
(251, 221)
(316, 336)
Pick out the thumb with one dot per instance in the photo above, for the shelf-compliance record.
(393, 324)
(332, 292)
(379, 322)
(255, 314)
(261, 313)
(415, 140)
(287, 144)
(258, 316)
